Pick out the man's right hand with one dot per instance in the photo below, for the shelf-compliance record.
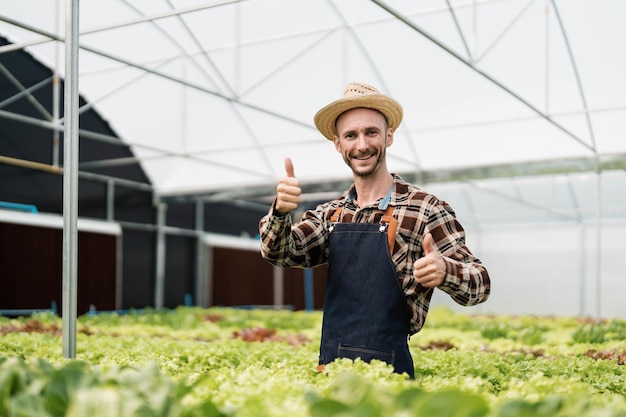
(288, 191)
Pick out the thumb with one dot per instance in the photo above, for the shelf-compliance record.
(289, 167)
(428, 244)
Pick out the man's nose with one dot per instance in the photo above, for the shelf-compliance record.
(361, 142)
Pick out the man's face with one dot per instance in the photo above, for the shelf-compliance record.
(362, 137)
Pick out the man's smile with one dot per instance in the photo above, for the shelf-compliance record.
(364, 157)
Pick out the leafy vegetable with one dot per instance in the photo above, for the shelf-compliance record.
(192, 362)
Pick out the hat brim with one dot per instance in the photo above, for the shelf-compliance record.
(326, 117)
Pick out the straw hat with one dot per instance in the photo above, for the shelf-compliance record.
(358, 95)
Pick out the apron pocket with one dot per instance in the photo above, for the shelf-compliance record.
(365, 354)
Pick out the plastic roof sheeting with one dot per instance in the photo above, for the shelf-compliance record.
(570, 198)
(213, 95)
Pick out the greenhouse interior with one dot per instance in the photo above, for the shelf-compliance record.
(142, 142)
(514, 113)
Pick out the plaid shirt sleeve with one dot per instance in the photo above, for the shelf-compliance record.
(304, 246)
(418, 213)
(467, 280)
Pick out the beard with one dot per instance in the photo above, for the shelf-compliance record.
(366, 171)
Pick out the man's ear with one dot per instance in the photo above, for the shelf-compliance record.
(389, 139)
(337, 144)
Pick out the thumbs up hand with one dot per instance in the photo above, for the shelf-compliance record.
(430, 269)
(287, 191)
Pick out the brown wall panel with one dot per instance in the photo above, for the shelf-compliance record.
(242, 277)
(31, 268)
(97, 271)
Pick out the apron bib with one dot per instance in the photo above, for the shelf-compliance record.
(365, 311)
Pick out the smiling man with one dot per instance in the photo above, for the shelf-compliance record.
(388, 244)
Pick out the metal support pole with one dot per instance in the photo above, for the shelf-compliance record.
(598, 242)
(119, 266)
(201, 290)
(582, 259)
(110, 200)
(159, 284)
(70, 181)
(209, 275)
(278, 287)
(56, 95)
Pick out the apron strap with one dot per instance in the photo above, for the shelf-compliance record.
(335, 217)
(387, 218)
(392, 227)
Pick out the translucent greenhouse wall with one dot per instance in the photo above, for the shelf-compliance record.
(551, 269)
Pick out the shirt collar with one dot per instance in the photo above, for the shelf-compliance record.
(384, 202)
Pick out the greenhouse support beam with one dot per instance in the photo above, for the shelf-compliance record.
(147, 69)
(110, 210)
(278, 287)
(598, 244)
(56, 94)
(582, 259)
(70, 182)
(200, 287)
(519, 98)
(25, 93)
(209, 264)
(159, 281)
(30, 164)
(85, 134)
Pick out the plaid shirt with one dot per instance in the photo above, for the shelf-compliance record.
(466, 281)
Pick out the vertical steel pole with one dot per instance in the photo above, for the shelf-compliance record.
(200, 288)
(278, 288)
(56, 94)
(598, 240)
(208, 265)
(110, 214)
(159, 282)
(70, 181)
(582, 259)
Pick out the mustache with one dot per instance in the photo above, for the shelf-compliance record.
(364, 155)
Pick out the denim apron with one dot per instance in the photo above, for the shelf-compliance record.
(365, 311)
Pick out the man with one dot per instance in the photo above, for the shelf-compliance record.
(387, 243)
